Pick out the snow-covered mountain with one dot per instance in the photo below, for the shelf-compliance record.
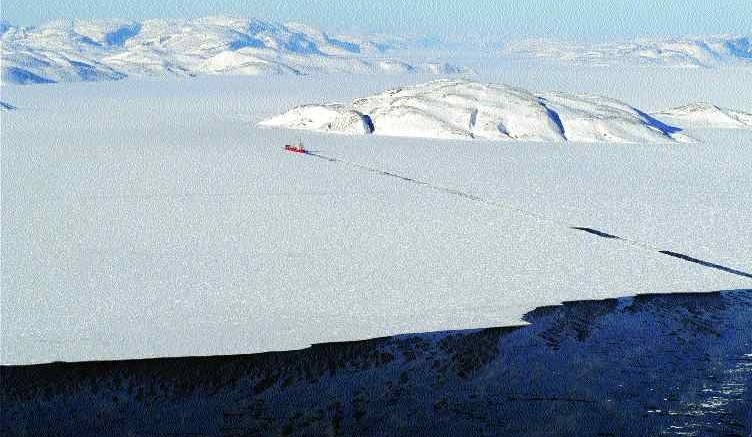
(680, 52)
(113, 49)
(707, 115)
(463, 109)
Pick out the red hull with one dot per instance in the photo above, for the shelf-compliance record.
(294, 149)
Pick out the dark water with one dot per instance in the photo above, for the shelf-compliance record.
(649, 365)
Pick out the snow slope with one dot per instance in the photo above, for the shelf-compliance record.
(678, 52)
(463, 109)
(707, 115)
(6, 106)
(81, 50)
(150, 218)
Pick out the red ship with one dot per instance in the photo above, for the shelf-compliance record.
(295, 149)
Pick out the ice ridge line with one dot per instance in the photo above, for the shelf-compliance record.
(635, 243)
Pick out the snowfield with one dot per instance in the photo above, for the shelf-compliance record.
(93, 50)
(706, 115)
(463, 109)
(149, 217)
(676, 52)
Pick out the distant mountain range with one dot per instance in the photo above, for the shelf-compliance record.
(680, 52)
(91, 50)
(80, 50)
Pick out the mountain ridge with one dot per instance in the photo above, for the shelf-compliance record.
(705, 114)
(465, 109)
(91, 50)
(698, 52)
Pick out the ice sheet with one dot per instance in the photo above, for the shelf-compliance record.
(147, 218)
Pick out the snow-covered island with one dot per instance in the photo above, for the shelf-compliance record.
(703, 114)
(464, 109)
